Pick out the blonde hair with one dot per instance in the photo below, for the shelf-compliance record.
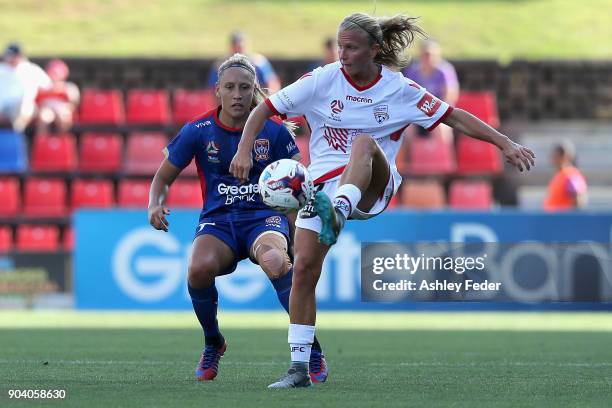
(259, 93)
(393, 34)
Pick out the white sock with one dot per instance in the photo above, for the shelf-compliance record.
(346, 199)
(300, 339)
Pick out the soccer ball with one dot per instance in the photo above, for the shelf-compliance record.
(285, 185)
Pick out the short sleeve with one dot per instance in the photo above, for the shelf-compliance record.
(182, 148)
(295, 99)
(424, 109)
(286, 148)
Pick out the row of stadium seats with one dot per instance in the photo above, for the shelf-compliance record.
(143, 106)
(35, 238)
(151, 106)
(430, 194)
(103, 153)
(97, 153)
(48, 197)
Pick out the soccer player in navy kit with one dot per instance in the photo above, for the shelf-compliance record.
(234, 224)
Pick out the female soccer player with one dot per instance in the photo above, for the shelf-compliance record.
(357, 109)
(234, 224)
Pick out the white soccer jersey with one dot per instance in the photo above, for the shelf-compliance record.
(337, 110)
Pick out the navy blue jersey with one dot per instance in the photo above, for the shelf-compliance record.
(213, 145)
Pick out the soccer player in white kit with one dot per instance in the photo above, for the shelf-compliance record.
(357, 109)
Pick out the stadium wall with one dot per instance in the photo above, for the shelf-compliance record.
(526, 90)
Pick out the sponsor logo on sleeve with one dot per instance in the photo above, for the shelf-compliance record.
(429, 104)
(291, 146)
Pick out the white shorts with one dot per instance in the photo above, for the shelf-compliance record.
(308, 219)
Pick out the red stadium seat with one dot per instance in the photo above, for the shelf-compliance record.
(148, 106)
(433, 154)
(302, 144)
(477, 157)
(35, 238)
(185, 193)
(68, 239)
(102, 107)
(6, 239)
(54, 153)
(44, 198)
(133, 193)
(144, 153)
(424, 194)
(465, 194)
(92, 194)
(9, 191)
(189, 104)
(483, 105)
(100, 152)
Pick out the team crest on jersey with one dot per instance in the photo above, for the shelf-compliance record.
(274, 221)
(213, 152)
(381, 113)
(262, 149)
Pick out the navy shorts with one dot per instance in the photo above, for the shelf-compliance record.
(240, 234)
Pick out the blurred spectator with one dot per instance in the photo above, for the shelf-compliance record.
(434, 73)
(330, 54)
(20, 81)
(437, 75)
(567, 189)
(265, 73)
(56, 105)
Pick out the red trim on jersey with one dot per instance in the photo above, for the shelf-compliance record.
(202, 182)
(358, 87)
(272, 108)
(329, 175)
(203, 116)
(305, 75)
(276, 120)
(398, 133)
(444, 116)
(221, 125)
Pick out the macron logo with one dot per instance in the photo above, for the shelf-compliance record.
(428, 104)
(358, 99)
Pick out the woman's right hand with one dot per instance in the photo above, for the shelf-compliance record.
(241, 165)
(157, 217)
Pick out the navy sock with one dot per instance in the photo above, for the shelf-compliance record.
(282, 286)
(204, 303)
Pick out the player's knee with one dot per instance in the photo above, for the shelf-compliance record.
(363, 146)
(201, 271)
(274, 262)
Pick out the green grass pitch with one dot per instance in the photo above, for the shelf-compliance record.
(401, 359)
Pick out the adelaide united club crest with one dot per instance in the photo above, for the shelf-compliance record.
(381, 113)
(262, 149)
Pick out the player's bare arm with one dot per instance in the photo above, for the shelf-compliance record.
(165, 176)
(515, 154)
(243, 161)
